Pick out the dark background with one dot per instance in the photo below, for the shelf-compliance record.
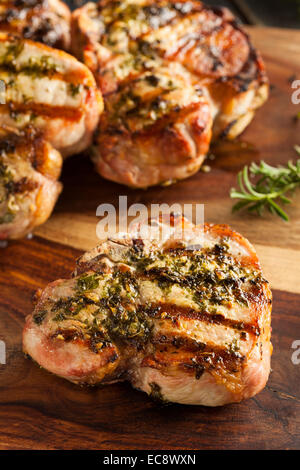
(279, 13)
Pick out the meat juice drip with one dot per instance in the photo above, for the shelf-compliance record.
(231, 155)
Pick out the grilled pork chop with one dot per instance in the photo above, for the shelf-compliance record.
(29, 169)
(186, 319)
(122, 41)
(46, 21)
(50, 90)
(157, 128)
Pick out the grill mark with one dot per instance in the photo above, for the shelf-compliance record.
(63, 112)
(185, 37)
(258, 75)
(76, 77)
(190, 40)
(254, 294)
(186, 344)
(180, 16)
(217, 250)
(176, 312)
(252, 73)
(24, 185)
(180, 13)
(252, 76)
(186, 43)
(29, 144)
(197, 361)
(163, 123)
(166, 121)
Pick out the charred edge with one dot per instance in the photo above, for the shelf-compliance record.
(29, 143)
(93, 264)
(253, 71)
(219, 11)
(227, 129)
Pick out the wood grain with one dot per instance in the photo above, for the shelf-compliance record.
(41, 411)
(271, 136)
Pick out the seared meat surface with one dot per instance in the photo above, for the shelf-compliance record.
(186, 319)
(46, 21)
(156, 128)
(29, 170)
(122, 41)
(50, 90)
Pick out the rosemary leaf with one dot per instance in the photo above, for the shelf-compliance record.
(264, 186)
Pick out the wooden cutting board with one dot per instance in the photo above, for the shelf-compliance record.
(41, 411)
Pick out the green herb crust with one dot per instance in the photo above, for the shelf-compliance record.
(35, 66)
(6, 192)
(107, 306)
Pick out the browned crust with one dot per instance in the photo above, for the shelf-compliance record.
(251, 74)
(38, 20)
(30, 143)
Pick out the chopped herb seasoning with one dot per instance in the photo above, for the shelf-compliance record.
(152, 80)
(211, 276)
(39, 317)
(7, 218)
(7, 187)
(38, 66)
(211, 279)
(12, 52)
(125, 320)
(87, 283)
(74, 89)
(35, 66)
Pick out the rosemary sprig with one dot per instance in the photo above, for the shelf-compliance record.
(270, 187)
